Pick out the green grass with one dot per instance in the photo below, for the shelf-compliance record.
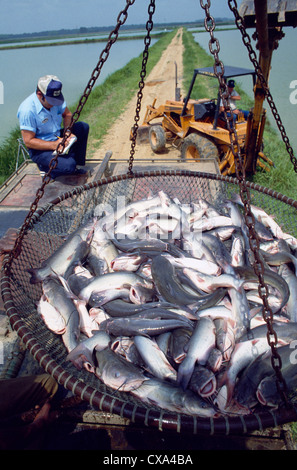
(8, 154)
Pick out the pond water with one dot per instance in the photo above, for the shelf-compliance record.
(73, 64)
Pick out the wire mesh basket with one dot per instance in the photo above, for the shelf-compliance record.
(49, 226)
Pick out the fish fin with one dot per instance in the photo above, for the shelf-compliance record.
(184, 373)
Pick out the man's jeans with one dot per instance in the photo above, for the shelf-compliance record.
(66, 164)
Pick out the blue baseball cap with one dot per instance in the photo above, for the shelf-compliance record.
(51, 87)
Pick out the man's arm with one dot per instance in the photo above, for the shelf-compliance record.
(34, 143)
(67, 116)
(235, 96)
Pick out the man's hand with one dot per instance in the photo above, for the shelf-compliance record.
(67, 141)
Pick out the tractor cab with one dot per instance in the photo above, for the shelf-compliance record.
(199, 128)
(209, 108)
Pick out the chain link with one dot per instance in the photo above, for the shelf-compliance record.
(147, 42)
(121, 19)
(258, 265)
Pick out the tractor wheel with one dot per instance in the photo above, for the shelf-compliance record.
(157, 139)
(198, 147)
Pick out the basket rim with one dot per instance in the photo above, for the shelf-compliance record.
(157, 173)
(137, 413)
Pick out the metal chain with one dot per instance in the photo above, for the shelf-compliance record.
(253, 58)
(147, 42)
(245, 196)
(121, 19)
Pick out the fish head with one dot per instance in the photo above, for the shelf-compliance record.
(140, 295)
(267, 392)
(116, 372)
(119, 380)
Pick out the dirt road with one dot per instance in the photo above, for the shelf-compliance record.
(159, 83)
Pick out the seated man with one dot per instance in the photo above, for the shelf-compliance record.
(233, 97)
(40, 116)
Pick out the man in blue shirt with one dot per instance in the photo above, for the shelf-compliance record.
(40, 116)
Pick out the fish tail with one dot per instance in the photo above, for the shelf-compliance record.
(184, 374)
(226, 388)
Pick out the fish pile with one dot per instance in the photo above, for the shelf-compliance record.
(159, 299)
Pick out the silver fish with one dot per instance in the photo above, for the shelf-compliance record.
(246, 386)
(240, 311)
(154, 358)
(209, 283)
(170, 397)
(290, 309)
(200, 344)
(159, 313)
(82, 355)
(140, 294)
(128, 262)
(60, 298)
(139, 326)
(163, 341)
(103, 248)
(121, 308)
(116, 372)
(267, 392)
(207, 223)
(168, 284)
(225, 336)
(203, 381)
(202, 265)
(124, 346)
(215, 360)
(238, 251)
(99, 286)
(97, 266)
(51, 316)
(268, 221)
(242, 356)
(73, 251)
(279, 258)
(178, 342)
(270, 278)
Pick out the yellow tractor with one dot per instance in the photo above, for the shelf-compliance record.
(198, 127)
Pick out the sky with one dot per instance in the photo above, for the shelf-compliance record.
(28, 16)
